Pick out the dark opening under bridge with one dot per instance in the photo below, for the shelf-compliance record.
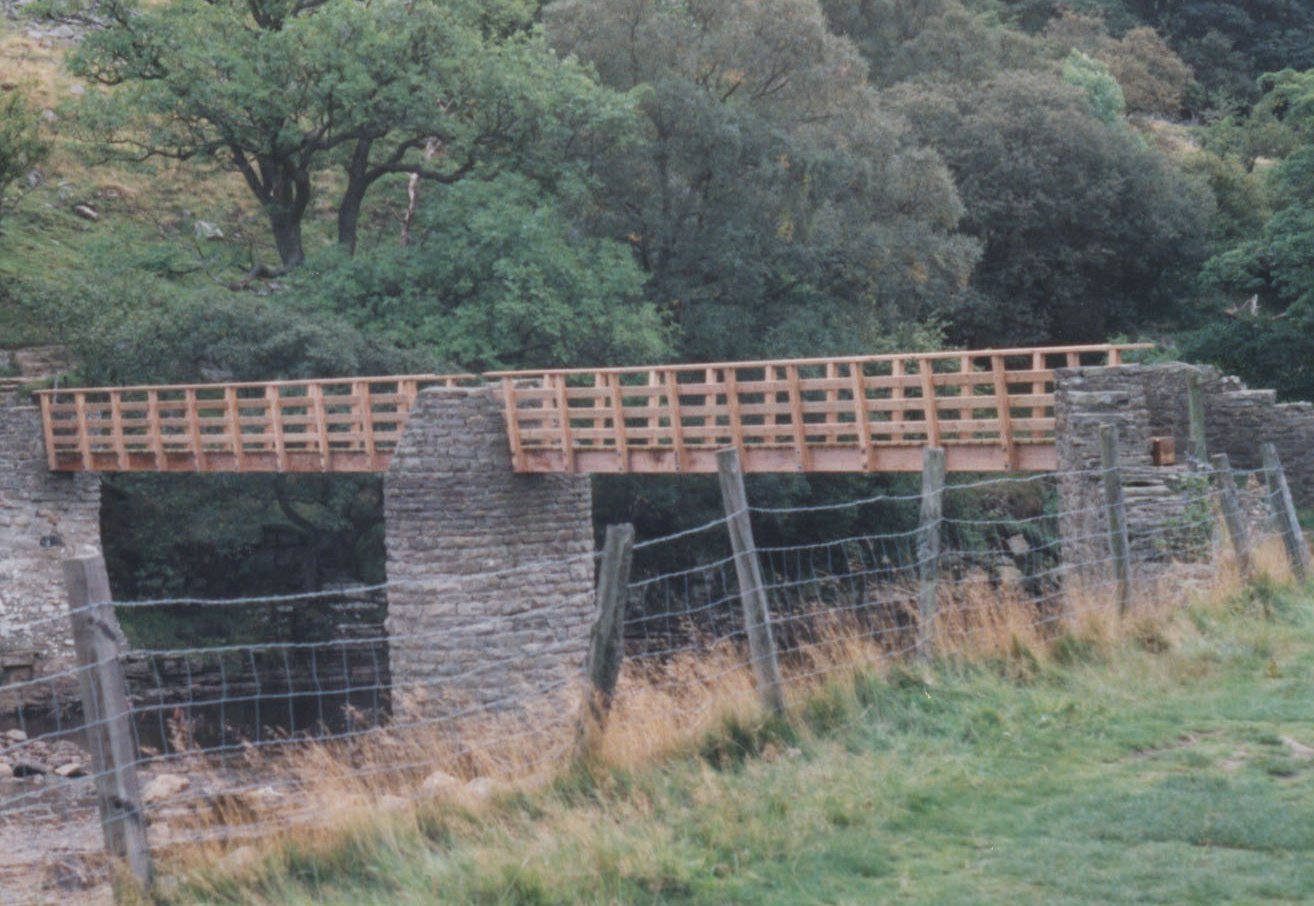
(991, 410)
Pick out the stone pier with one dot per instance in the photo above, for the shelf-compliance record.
(492, 571)
(44, 517)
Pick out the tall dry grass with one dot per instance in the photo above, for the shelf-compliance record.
(663, 707)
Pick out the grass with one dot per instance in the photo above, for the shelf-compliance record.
(1170, 763)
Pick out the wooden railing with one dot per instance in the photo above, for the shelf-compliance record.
(335, 425)
(992, 410)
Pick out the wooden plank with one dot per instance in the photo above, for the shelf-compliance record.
(861, 416)
(116, 432)
(1002, 405)
(84, 442)
(752, 590)
(618, 421)
(677, 420)
(731, 380)
(48, 431)
(366, 404)
(930, 404)
(563, 418)
(273, 400)
(315, 392)
(796, 417)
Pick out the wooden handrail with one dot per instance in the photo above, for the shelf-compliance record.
(1102, 348)
(991, 409)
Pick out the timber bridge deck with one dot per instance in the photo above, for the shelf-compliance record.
(991, 411)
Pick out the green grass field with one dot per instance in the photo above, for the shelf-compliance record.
(1173, 766)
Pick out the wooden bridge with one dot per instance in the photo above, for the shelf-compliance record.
(991, 410)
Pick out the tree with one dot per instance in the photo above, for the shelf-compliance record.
(22, 147)
(773, 204)
(282, 90)
(931, 39)
(497, 275)
(1153, 79)
(1083, 227)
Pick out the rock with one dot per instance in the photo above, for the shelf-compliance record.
(76, 89)
(30, 769)
(86, 212)
(34, 178)
(6, 770)
(71, 770)
(1018, 545)
(163, 788)
(439, 783)
(204, 229)
(15, 736)
(266, 797)
(481, 789)
(241, 860)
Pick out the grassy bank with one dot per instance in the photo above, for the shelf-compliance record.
(1171, 763)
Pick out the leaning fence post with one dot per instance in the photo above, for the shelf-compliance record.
(106, 714)
(928, 546)
(1284, 511)
(752, 591)
(1116, 507)
(1230, 503)
(606, 642)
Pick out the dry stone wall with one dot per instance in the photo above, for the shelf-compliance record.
(44, 517)
(491, 571)
(1167, 507)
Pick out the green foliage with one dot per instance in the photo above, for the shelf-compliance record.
(22, 146)
(498, 275)
(281, 92)
(1103, 94)
(1085, 229)
(773, 205)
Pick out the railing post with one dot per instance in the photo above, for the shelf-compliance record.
(1284, 511)
(1230, 503)
(106, 714)
(606, 641)
(928, 547)
(752, 591)
(1116, 508)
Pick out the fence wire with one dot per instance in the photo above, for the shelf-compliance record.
(301, 713)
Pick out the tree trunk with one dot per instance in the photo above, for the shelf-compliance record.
(353, 195)
(287, 236)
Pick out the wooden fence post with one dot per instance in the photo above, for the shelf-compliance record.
(1197, 448)
(1284, 511)
(1119, 539)
(928, 546)
(752, 591)
(606, 641)
(106, 714)
(1230, 503)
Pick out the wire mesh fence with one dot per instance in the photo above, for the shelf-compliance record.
(240, 738)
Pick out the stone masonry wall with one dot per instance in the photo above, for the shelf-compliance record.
(1167, 512)
(44, 518)
(1237, 420)
(496, 574)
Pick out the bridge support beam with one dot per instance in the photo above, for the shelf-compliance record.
(45, 517)
(492, 571)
